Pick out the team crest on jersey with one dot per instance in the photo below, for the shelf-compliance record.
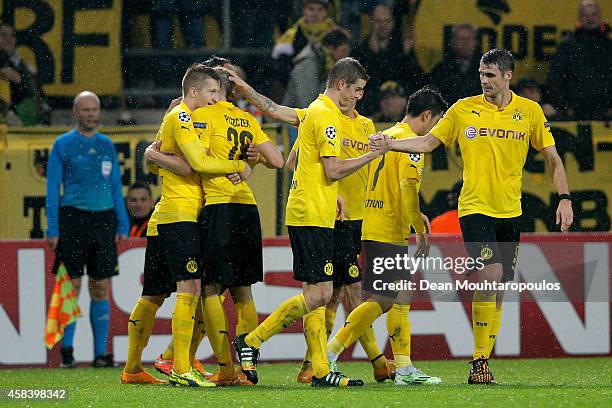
(517, 116)
(328, 269)
(191, 266)
(330, 132)
(486, 252)
(353, 271)
(415, 157)
(470, 132)
(184, 117)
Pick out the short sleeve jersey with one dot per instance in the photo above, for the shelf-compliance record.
(312, 196)
(226, 131)
(494, 144)
(353, 143)
(181, 196)
(383, 219)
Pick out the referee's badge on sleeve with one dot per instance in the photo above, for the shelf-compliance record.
(107, 167)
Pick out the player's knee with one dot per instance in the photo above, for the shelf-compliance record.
(326, 295)
(99, 289)
(156, 299)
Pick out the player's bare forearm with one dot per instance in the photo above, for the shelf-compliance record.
(290, 164)
(270, 156)
(337, 169)
(420, 144)
(557, 170)
(270, 108)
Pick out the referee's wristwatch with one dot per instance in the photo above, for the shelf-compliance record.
(565, 197)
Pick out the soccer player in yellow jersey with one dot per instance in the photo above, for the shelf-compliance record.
(311, 214)
(347, 231)
(494, 131)
(391, 208)
(229, 224)
(173, 256)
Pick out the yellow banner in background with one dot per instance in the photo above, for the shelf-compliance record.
(586, 149)
(530, 29)
(23, 179)
(74, 45)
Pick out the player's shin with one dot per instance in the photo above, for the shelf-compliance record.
(140, 326)
(355, 326)
(182, 329)
(316, 339)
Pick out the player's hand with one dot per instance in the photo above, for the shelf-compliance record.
(252, 154)
(340, 208)
(246, 172)
(565, 215)
(422, 245)
(52, 241)
(233, 77)
(120, 238)
(234, 178)
(175, 102)
(379, 142)
(427, 223)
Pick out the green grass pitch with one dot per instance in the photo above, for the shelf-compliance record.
(541, 382)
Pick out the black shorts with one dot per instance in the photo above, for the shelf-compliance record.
(180, 245)
(377, 275)
(313, 252)
(494, 240)
(231, 244)
(157, 276)
(347, 246)
(87, 238)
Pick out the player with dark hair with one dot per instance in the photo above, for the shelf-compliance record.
(391, 209)
(494, 131)
(311, 214)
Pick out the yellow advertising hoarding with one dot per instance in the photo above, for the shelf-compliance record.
(74, 45)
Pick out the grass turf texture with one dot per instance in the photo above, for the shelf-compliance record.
(541, 382)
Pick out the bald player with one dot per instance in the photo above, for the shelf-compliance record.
(84, 161)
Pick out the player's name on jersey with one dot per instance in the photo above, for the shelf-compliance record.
(238, 122)
(374, 203)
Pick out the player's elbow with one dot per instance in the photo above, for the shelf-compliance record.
(277, 162)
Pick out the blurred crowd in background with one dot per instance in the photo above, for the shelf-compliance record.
(290, 45)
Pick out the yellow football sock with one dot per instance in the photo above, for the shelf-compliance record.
(314, 330)
(330, 319)
(287, 313)
(217, 328)
(182, 329)
(494, 329)
(370, 346)
(483, 313)
(398, 327)
(199, 330)
(140, 327)
(355, 326)
(246, 317)
(307, 355)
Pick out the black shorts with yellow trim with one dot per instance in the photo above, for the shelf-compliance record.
(347, 246)
(87, 238)
(231, 244)
(157, 276)
(494, 240)
(313, 252)
(380, 278)
(180, 245)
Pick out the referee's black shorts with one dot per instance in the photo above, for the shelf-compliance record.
(231, 244)
(494, 240)
(313, 252)
(87, 238)
(347, 246)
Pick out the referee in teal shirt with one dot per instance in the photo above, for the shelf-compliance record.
(88, 220)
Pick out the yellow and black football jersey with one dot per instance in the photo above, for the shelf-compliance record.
(353, 143)
(383, 220)
(181, 196)
(494, 144)
(226, 131)
(312, 197)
